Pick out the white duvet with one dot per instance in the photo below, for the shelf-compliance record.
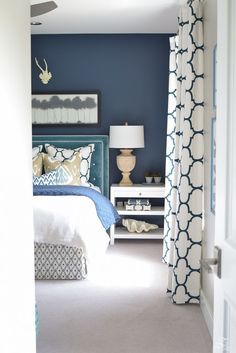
(72, 221)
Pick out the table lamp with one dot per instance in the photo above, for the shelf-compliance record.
(126, 138)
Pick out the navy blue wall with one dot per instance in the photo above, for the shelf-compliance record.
(130, 71)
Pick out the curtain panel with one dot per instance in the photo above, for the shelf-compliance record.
(184, 159)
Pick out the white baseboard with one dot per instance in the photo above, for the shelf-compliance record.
(208, 315)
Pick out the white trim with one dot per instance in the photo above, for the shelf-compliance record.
(207, 314)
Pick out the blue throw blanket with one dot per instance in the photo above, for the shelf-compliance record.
(105, 210)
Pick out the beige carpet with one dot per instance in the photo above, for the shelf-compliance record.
(125, 310)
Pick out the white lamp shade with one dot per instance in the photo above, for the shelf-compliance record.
(127, 136)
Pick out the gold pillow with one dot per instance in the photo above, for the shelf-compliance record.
(38, 165)
(72, 166)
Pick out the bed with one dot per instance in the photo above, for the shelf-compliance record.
(71, 222)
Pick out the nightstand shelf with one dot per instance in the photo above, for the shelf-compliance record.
(138, 191)
(122, 233)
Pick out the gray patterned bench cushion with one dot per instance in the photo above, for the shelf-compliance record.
(59, 262)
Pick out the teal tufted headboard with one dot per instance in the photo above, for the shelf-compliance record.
(99, 174)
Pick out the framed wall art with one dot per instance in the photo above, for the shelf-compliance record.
(213, 165)
(81, 108)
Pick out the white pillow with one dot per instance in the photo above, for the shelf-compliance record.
(92, 186)
(62, 154)
(36, 150)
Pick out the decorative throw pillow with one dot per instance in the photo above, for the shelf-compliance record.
(63, 176)
(62, 154)
(38, 165)
(56, 177)
(36, 150)
(72, 166)
(46, 179)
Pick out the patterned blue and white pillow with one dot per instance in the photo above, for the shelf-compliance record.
(62, 154)
(56, 177)
(46, 179)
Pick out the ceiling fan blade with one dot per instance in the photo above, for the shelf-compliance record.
(42, 8)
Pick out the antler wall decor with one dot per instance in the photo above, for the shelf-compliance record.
(45, 75)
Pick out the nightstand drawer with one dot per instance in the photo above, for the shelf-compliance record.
(150, 192)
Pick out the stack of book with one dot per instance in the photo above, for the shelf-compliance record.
(138, 205)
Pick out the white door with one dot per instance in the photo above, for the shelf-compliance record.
(225, 287)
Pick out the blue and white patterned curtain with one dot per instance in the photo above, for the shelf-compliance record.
(184, 160)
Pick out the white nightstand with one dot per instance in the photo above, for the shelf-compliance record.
(137, 191)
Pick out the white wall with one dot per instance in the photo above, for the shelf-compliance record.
(17, 332)
(210, 40)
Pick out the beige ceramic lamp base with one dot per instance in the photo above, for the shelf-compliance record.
(126, 162)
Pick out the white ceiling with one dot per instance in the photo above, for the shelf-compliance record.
(109, 16)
